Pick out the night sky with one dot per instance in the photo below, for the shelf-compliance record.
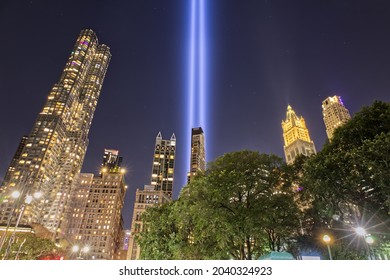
(261, 56)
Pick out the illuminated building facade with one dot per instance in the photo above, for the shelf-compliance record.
(55, 148)
(158, 192)
(111, 161)
(164, 164)
(198, 153)
(16, 158)
(121, 254)
(296, 137)
(334, 113)
(148, 197)
(95, 218)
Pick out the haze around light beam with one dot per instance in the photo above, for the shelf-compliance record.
(196, 91)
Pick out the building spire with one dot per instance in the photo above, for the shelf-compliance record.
(296, 136)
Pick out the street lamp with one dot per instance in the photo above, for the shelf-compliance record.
(326, 238)
(77, 249)
(28, 199)
(360, 231)
(368, 240)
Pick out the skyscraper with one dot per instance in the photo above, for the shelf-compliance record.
(296, 137)
(94, 218)
(56, 146)
(16, 158)
(158, 192)
(198, 153)
(334, 113)
(164, 164)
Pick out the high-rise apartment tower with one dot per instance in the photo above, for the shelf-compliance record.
(164, 164)
(55, 148)
(334, 113)
(198, 153)
(296, 137)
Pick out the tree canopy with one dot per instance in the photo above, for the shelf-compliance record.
(247, 203)
(242, 207)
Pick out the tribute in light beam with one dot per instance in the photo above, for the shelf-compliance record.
(196, 93)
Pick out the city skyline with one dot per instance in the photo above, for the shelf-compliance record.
(257, 67)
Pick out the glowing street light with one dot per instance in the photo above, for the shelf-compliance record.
(15, 194)
(28, 199)
(326, 238)
(360, 231)
(369, 239)
(77, 249)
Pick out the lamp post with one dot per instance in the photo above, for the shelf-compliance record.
(326, 238)
(28, 200)
(368, 240)
(14, 195)
(77, 249)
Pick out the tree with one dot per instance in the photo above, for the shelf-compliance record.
(348, 181)
(29, 247)
(240, 208)
(159, 231)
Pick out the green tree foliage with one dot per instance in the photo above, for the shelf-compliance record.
(242, 207)
(354, 166)
(348, 182)
(28, 247)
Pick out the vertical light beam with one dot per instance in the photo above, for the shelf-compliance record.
(191, 89)
(196, 93)
(202, 68)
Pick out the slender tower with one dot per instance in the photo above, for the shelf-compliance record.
(198, 153)
(164, 164)
(158, 192)
(55, 148)
(334, 113)
(296, 137)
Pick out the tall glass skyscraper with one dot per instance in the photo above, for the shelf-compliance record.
(54, 151)
(296, 137)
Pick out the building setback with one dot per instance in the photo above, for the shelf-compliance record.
(296, 137)
(54, 151)
(334, 114)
